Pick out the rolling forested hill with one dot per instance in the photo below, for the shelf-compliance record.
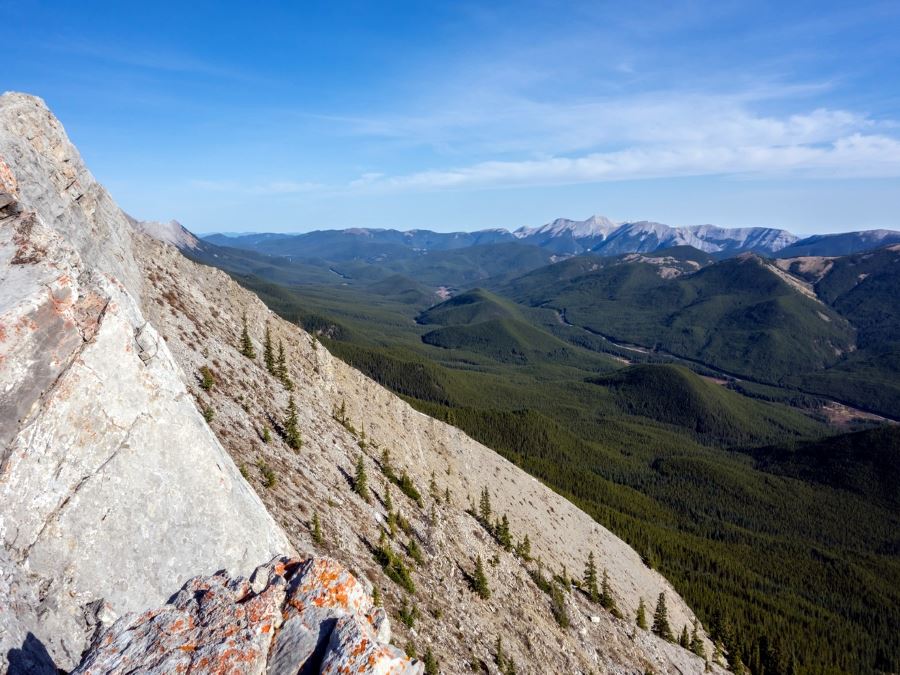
(738, 315)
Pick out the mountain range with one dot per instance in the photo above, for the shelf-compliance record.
(598, 235)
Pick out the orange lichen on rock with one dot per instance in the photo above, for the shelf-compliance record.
(352, 650)
(327, 584)
(8, 181)
(290, 615)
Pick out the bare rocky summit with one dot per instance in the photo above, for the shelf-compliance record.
(143, 447)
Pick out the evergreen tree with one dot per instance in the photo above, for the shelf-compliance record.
(503, 534)
(685, 639)
(246, 343)
(718, 653)
(724, 630)
(524, 548)
(500, 657)
(388, 500)
(433, 488)
(266, 435)
(268, 354)
(446, 495)
(269, 478)
(207, 381)
(281, 361)
(317, 529)
(408, 614)
(641, 618)
(697, 641)
(415, 552)
(558, 605)
(291, 433)
(376, 595)
(564, 579)
(392, 523)
(430, 662)
(661, 620)
(590, 579)
(484, 508)
(361, 480)
(386, 467)
(480, 582)
(281, 371)
(606, 597)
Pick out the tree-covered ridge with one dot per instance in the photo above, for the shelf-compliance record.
(714, 414)
(470, 307)
(737, 315)
(866, 463)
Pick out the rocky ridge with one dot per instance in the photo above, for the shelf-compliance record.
(144, 485)
(291, 615)
(112, 487)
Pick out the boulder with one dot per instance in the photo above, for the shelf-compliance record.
(291, 616)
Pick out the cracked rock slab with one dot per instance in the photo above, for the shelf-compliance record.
(231, 624)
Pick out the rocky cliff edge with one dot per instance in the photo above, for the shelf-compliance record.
(112, 486)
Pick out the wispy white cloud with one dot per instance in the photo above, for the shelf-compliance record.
(664, 136)
(656, 140)
(853, 156)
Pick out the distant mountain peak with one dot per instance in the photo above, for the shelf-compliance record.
(172, 232)
(595, 226)
(601, 235)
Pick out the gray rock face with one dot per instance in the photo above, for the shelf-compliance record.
(54, 182)
(23, 652)
(112, 486)
(292, 616)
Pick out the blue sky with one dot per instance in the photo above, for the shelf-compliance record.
(298, 116)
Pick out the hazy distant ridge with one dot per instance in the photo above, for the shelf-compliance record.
(562, 236)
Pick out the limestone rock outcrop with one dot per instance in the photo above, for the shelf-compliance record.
(112, 486)
(290, 616)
